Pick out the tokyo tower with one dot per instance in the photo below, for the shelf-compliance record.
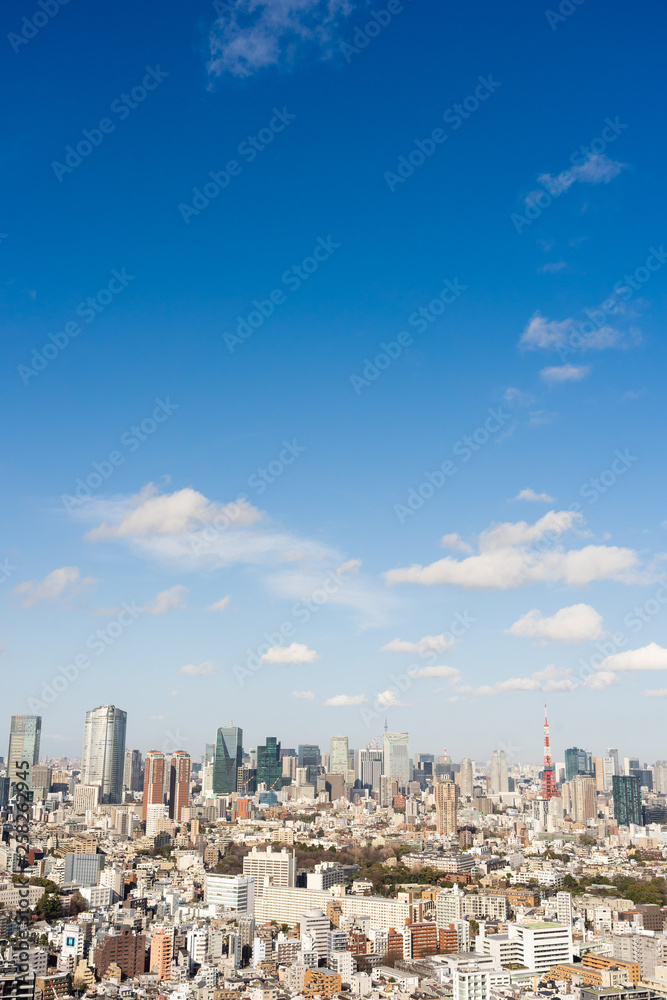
(548, 789)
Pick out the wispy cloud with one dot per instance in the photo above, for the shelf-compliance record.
(255, 34)
(597, 169)
(534, 497)
(565, 373)
(545, 334)
(64, 582)
(303, 695)
(424, 673)
(205, 669)
(167, 600)
(346, 700)
(549, 679)
(388, 699)
(220, 605)
(427, 644)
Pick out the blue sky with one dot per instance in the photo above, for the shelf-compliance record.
(379, 301)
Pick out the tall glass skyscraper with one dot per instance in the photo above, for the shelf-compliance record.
(627, 794)
(228, 760)
(339, 757)
(396, 757)
(24, 736)
(269, 764)
(103, 759)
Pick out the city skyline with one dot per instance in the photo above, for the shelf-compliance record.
(370, 425)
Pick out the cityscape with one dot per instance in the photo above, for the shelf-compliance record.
(333, 573)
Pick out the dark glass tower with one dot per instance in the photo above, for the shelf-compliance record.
(269, 765)
(228, 760)
(627, 792)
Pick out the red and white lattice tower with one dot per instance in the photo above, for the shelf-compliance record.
(548, 789)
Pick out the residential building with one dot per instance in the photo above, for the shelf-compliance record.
(233, 892)
(124, 949)
(154, 781)
(83, 869)
(162, 944)
(86, 797)
(583, 798)
(471, 982)
(446, 806)
(316, 924)
(466, 779)
(270, 868)
(179, 784)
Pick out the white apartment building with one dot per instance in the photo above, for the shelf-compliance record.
(564, 908)
(324, 875)
(536, 945)
(315, 924)
(344, 964)
(287, 905)
(270, 869)
(233, 892)
(471, 982)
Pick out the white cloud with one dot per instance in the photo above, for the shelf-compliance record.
(426, 672)
(167, 600)
(187, 529)
(349, 568)
(549, 679)
(600, 680)
(550, 334)
(388, 699)
(345, 700)
(205, 669)
(156, 718)
(58, 583)
(651, 657)
(534, 497)
(255, 34)
(553, 267)
(513, 555)
(427, 644)
(565, 373)
(656, 693)
(454, 542)
(303, 695)
(575, 624)
(597, 169)
(296, 652)
(174, 694)
(220, 605)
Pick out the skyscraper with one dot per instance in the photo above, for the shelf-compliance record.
(154, 780)
(179, 784)
(446, 805)
(24, 736)
(269, 764)
(626, 791)
(577, 761)
(466, 779)
(583, 798)
(369, 768)
(498, 779)
(228, 760)
(133, 771)
(309, 756)
(103, 759)
(396, 757)
(339, 756)
(613, 753)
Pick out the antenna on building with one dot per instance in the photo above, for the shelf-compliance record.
(386, 726)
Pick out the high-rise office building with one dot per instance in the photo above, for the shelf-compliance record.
(133, 771)
(626, 791)
(498, 778)
(309, 756)
(24, 736)
(103, 759)
(613, 753)
(660, 781)
(338, 758)
(583, 798)
(466, 779)
(179, 784)
(446, 805)
(630, 764)
(369, 768)
(154, 781)
(397, 757)
(577, 761)
(269, 764)
(228, 760)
